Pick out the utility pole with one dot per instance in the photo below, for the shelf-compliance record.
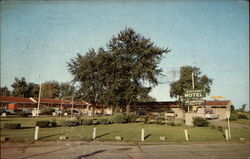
(193, 79)
(72, 107)
(39, 96)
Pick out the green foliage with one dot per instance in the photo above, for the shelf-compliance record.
(4, 91)
(12, 125)
(160, 120)
(243, 107)
(19, 87)
(200, 122)
(103, 121)
(51, 89)
(70, 123)
(242, 116)
(118, 118)
(87, 122)
(117, 75)
(212, 126)
(53, 124)
(47, 111)
(185, 82)
(43, 123)
(23, 114)
(131, 117)
(234, 117)
(220, 128)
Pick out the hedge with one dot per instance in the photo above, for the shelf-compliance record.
(12, 125)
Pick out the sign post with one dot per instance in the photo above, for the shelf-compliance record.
(228, 124)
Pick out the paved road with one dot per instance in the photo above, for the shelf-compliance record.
(222, 123)
(92, 150)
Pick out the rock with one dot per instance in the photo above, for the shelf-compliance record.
(63, 138)
(242, 139)
(119, 138)
(162, 138)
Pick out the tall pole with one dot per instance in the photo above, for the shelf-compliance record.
(193, 79)
(39, 96)
(72, 106)
(61, 108)
(229, 130)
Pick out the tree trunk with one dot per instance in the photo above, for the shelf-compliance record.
(128, 108)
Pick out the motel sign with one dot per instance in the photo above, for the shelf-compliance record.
(194, 97)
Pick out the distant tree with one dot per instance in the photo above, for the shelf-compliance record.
(19, 88)
(146, 98)
(66, 89)
(232, 108)
(185, 82)
(4, 91)
(50, 89)
(32, 90)
(243, 108)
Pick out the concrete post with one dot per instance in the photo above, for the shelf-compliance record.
(142, 134)
(226, 134)
(186, 134)
(36, 132)
(94, 134)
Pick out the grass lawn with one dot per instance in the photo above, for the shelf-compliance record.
(241, 121)
(129, 132)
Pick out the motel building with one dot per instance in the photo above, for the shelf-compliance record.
(210, 109)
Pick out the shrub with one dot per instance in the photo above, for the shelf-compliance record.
(146, 119)
(212, 126)
(47, 111)
(53, 124)
(220, 128)
(103, 121)
(43, 124)
(24, 114)
(160, 120)
(131, 117)
(12, 125)
(86, 122)
(200, 122)
(234, 117)
(242, 116)
(70, 123)
(118, 118)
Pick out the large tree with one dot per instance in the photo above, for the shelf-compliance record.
(4, 91)
(19, 87)
(66, 89)
(178, 87)
(119, 75)
(50, 89)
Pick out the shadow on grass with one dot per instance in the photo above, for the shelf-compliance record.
(90, 154)
(26, 127)
(147, 136)
(50, 136)
(102, 135)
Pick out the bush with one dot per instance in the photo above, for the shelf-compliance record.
(86, 122)
(70, 123)
(200, 122)
(212, 126)
(43, 124)
(131, 117)
(220, 128)
(12, 125)
(234, 117)
(242, 116)
(47, 111)
(118, 118)
(24, 114)
(103, 121)
(160, 120)
(53, 124)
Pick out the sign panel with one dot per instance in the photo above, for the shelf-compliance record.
(217, 97)
(196, 93)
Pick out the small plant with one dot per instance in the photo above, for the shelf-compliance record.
(160, 120)
(86, 122)
(118, 118)
(220, 128)
(43, 124)
(24, 114)
(234, 117)
(200, 122)
(103, 121)
(47, 111)
(12, 125)
(242, 116)
(70, 123)
(212, 126)
(131, 117)
(53, 124)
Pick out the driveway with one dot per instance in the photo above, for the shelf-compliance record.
(115, 150)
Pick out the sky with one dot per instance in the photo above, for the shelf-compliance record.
(40, 37)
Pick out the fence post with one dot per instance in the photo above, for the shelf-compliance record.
(142, 134)
(226, 134)
(94, 134)
(186, 134)
(36, 132)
